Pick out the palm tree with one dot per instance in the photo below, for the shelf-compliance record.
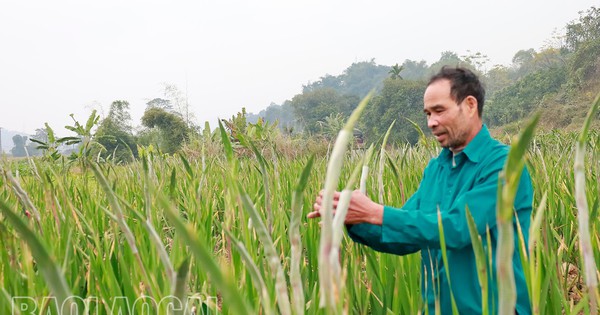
(395, 72)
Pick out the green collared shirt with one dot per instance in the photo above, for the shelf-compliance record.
(470, 180)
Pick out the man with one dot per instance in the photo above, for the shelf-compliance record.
(464, 174)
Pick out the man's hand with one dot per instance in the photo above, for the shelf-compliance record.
(360, 210)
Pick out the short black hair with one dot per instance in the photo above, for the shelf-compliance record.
(463, 82)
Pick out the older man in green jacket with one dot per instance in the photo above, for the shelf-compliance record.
(465, 174)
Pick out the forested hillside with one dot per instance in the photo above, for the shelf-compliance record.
(559, 79)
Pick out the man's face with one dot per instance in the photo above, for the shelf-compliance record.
(449, 121)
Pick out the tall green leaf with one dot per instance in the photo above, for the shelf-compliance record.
(585, 243)
(507, 189)
(45, 263)
(231, 297)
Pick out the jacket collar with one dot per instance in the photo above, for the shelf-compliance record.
(473, 149)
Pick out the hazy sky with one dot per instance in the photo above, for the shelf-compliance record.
(62, 57)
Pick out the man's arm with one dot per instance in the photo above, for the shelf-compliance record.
(410, 228)
(371, 234)
(419, 227)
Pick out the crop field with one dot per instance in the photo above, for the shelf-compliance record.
(227, 233)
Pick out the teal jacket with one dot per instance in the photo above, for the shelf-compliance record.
(470, 180)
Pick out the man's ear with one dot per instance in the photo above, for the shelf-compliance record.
(471, 103)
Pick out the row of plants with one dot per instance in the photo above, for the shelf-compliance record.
(227, 232)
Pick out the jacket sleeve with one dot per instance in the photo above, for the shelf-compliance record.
(371, 234)
(419, 227)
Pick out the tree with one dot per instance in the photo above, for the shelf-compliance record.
(519, 100)
(84, 139)
(314, 106)
(47, 142)
(448, 58)
(283, 115)
(173, 101)
(549, 58)
(19, 149)
(41, 134)
(180, 102)
(33, 147)
(160, 103)
(522, 63)
(327, 81)
(119, 114)
(529, 61)
(477, 60)
(358, 79)
(584, 64)
(362, 77)
(583, 41)
(395, 71)
(496, 79)
(586, 29)
(115, 133)
(331, 125)
(523, 57)
(413, 70)
(237, 124)
(399, 100)
(173, 129)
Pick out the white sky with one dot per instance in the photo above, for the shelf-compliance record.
(62, 57)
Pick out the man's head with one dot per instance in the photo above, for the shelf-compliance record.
(453, 102)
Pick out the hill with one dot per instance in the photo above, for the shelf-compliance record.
(561, 80)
